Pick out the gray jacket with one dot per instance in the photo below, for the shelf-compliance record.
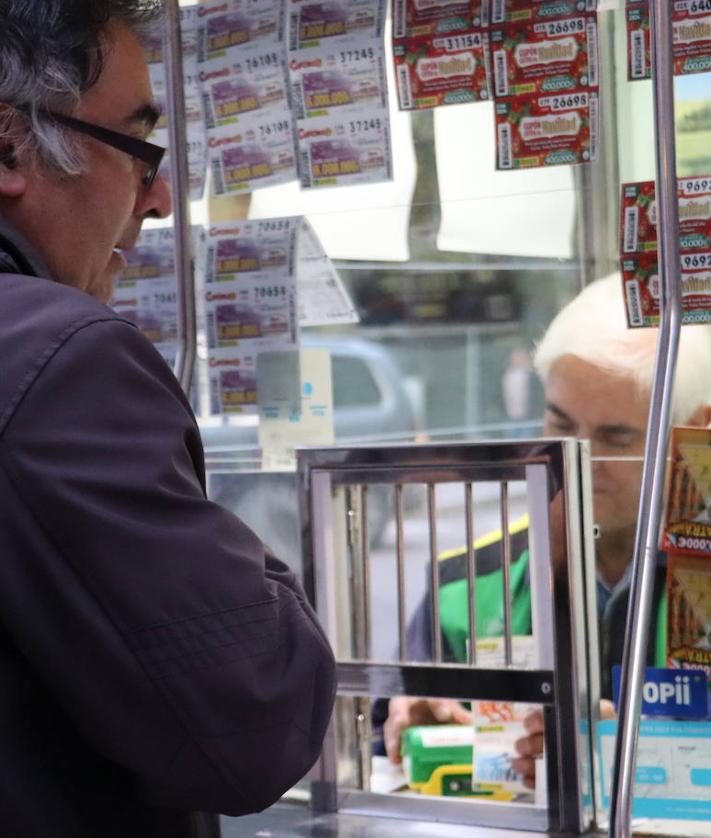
(154, 658)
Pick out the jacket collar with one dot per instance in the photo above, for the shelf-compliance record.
(17, 255)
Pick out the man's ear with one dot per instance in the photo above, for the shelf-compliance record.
(12, 181)
(701, 417)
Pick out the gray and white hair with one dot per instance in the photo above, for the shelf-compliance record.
(593, 327)
(51, 52)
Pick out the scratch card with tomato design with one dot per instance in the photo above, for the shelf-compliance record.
(557, 56)
(691, 35)
(503, 11)
(640, 280)
(639, 215)
(443, 70)
(417, 18)
(691, 28)
(547, 131)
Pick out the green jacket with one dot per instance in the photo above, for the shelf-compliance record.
(454, 608)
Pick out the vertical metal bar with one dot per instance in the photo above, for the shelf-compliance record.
(434, 575)
(173, 52)
(648, 524)
(506, 543)
(471, 572)
(365, 569)
(356, 577)
(400, 557)
(364, 740)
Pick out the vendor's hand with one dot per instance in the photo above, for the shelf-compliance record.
(531, 746)
(404, 712)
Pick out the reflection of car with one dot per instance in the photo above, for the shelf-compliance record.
(370, 405)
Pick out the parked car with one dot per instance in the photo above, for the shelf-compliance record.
(370, 405)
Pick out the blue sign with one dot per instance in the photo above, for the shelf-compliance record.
(680, 693)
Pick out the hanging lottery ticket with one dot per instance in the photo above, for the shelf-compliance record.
(545, 57)
(232, 380)
(146, 292)
(547, 131)
(263, 248)
(264, 278)
(640, 279)
(441, 52)
(420, 18)
(242, 77)
(257, 152)
(545, 80)
(224, 24)
(153, 306)
(249, 290)
(339, 92)
(691, 35)
(326, 80)
(249, 305)
(251, 310)
(503, 11)
(438, 70)
(639, 215)
(312, 23)
(345, 151)
(245, 81)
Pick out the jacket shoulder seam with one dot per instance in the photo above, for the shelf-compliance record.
(37, 366)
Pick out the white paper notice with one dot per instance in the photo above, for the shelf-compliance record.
(282, 428)
(321, 297)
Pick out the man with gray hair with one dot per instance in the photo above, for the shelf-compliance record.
(597, 377)
(155, 659)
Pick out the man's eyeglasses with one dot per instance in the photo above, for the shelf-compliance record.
(146, 152)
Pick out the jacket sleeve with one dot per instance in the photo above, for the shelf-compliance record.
(180, 650)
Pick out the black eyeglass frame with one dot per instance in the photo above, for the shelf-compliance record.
(148, 153)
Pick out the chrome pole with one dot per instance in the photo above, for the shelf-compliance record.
(651, 496)
(400, 559)
(173, 55)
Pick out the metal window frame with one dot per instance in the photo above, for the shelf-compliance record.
(562, 585)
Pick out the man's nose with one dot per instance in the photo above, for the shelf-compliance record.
(157, 201)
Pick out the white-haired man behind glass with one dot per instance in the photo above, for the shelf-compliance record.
(597, 377)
